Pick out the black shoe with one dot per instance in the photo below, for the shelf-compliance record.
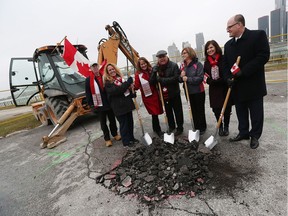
(178, 132)
(221, 132)
(170, 130)
(134, 141)
(238, 138)
(254, 143)
(202, 132)
(226, 131)
(159, 133)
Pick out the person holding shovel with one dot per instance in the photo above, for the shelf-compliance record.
(120, 97)
(97, 99)
(247, 78)
(192, 73)
(213, 71)
(149, 93)
(166, 73)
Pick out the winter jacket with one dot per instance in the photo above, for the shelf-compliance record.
(168, 77)
(119, 103)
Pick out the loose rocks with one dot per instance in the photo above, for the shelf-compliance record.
(155, 172)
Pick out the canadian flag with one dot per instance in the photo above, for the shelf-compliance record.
(75, 59)
(235, 69)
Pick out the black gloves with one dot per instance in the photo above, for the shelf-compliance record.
(130, 80)
(155, 69)
(230, 82)
(209, 80)
(238, 74)
(159, 79)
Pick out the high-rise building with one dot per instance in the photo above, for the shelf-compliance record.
(263, 24)
(185, 44)
(278, 21)
(200, 45)
(174, 53)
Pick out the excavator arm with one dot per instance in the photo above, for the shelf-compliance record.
(108, 49)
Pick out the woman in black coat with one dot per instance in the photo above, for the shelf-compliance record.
(120, 99)
(213, 69)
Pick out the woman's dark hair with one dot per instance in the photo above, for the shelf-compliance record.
(215, 44)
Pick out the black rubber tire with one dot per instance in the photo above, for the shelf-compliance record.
(56, 106)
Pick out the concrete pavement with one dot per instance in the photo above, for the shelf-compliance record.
(61, 181)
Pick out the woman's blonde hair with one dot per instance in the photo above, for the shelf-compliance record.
(107, 76)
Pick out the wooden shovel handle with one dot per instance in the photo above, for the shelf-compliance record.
(188, 99)
(226, 98)
(163, 105)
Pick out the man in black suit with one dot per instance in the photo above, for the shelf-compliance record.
(249, 85)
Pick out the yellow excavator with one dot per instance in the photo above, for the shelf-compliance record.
(61, 91)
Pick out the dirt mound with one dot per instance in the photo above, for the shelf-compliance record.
(155, 172)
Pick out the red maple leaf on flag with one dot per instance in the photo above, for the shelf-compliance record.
(75, 59)
(234, 69)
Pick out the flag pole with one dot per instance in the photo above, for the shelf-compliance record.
(58, 44)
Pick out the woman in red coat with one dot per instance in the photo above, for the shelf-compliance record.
(149, 93)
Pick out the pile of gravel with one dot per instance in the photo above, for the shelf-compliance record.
(155, 172)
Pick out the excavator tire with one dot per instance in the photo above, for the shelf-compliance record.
(56, 106)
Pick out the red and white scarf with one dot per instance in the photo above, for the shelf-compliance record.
(118, 81)
(95, 91)
(214, 66)
(145, 86)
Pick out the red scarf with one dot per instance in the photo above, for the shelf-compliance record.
(212, 61)
(96, 96)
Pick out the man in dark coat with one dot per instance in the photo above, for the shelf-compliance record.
(167, 74)
(249, 85)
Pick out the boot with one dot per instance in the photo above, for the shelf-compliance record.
(117, 137)
(226, 131)
(108, 143)
(221, 132)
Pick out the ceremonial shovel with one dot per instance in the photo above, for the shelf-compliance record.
(211, 141)
(145, 139)
(167, 138)
(192, 134)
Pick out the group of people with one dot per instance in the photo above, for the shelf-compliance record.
(111, 94)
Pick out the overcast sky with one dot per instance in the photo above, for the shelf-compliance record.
(150, 25)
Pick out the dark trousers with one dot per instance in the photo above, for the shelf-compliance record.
(126, 127)
(112, 123)
(174, 105)
(155, 123)
(256, 110)
(227, 113)
(197, 102)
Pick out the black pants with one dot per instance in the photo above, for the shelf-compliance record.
(126, 127)
(197, 102)
(155, 123)
(174, 105)
(227, 113)
(112, 123)
(256, 110)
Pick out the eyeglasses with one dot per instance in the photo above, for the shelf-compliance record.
(229, 27)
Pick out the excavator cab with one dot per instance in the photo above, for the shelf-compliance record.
(46, 77)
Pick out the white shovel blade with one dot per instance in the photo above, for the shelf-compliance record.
(210, 142)
(193, 135)
(147, 139)
(169, 138)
